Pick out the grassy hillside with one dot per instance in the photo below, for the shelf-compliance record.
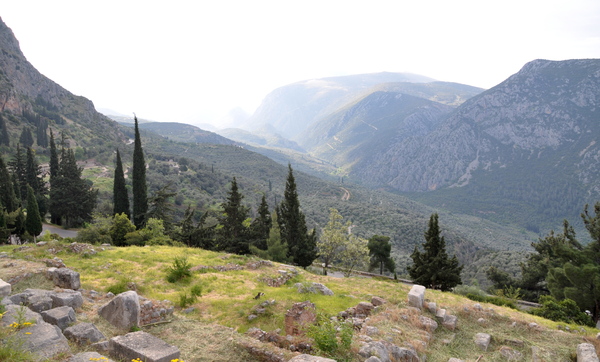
(212, 330)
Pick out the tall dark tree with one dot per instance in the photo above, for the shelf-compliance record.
(233, 236)
(261, 225)
(160, 206)
(4, 135)
(26, 138)
(40, 133)
(18, 166)
(380, 249)
(54, 163)
(8, 198)
(120, 194)
(35, 178)
(433, 268)
(140, 190)
(33, 221)
(72, 198)
(292, 224)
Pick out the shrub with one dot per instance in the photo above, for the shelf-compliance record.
(332, 338)
(564, 311)
(499, 301)
(179, 270)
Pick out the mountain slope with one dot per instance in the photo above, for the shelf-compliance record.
(528, 144)
(185, 133)
(292, 108)
(24, 90)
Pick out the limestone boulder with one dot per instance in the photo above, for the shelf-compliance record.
(62, 317)
(586, 353)
(482, 340)
(84, 333)
(416, 296)
(64, 278)
(123, 311)
(89, 356)
(5, 289)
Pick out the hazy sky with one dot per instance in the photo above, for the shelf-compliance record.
(193, 61)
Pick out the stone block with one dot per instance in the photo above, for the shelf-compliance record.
(5, 289)
(69, 298)
(310, 358)
(142, 345)
(64, 278)
(432, 307)
(377, 301)
(428, 324)
(482, 340)
(586, 353)
(363, 309)
(84, 333)
(43, 340)
(123, 311)
(89, 356)
(62, 317)
(440, 314)
(40, 303)
(416, 296)
(450, 322)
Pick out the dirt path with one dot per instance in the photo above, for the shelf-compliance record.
(347, 194)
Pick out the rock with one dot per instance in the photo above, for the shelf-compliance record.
(455, 360)
(89, 356)
(482, 340)
(533, 325)
(515, 342)
(64, 278)
(322, 289)
(387, 352)
(432, 307)
(61, 317)
(598, 336)
(5, 289)
(440, 314)
(586, 353)
(428, 324)
(252, 317)
(309, 358)
(40, 303)
(55, 263)
(142, 345)
(123, 311)
(84, 333)
(373, 359)
(377, 301)
(300, 315)
(450, 322)
(13, 313)
(363, 309)
(69, 298)
(482, 321)
(477, 307)
(43, 340)
(371, 331)
(511, 354)
(416, 296)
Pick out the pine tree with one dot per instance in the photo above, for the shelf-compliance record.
(54, 164)
(276, 250)
(233, 235)
(433, 268)
(4, 135)
(160, 206)
(261, 225)
(140, 190)
(33, 222)
(8, 198)
(380, 249)
(72, 198)
(120, 194)
(35, 178)
(301, 244)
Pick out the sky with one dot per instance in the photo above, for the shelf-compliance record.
(194, 61)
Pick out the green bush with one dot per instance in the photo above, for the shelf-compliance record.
(499, 301)
(179, 270)
(119, 287)
(332, 338)
(564, 311)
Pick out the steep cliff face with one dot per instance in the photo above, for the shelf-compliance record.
(24, 89)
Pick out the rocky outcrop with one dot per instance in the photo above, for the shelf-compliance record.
(123, 311)
(299, 317)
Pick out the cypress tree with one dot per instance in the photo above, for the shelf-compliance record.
(292, 224)
(34, 178)
(26, 138)
(261, 225)
(4, 135)
(40, 133)
(18, 166)
(8, 198)
(433, 268)
(33, 222)
(53, 157)
(140, 190)
(120, 195)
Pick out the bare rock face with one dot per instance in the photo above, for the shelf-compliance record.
(123, 311)
(299, 316)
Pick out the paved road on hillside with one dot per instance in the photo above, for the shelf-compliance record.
(59, 231)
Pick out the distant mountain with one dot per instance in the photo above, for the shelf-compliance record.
(182, 132)
(264, 137)
(526, 150)
(291, 109)
(29, 99)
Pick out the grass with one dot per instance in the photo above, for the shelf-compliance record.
(224, 299)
